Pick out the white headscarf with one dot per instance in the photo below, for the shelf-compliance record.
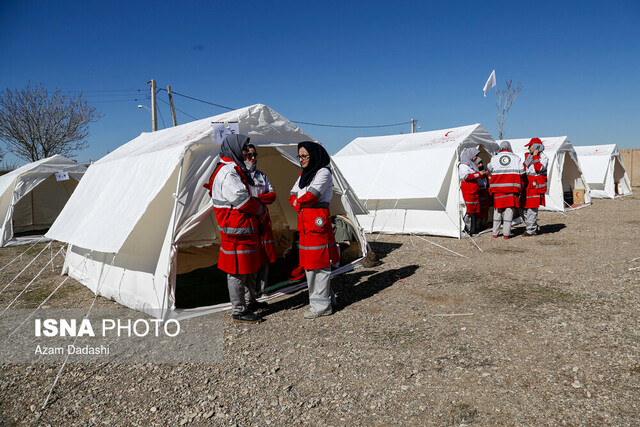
(467, 158)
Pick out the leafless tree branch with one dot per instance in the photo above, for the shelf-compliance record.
(35, 125)
(504, 101)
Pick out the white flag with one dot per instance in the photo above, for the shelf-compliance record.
(491, 82)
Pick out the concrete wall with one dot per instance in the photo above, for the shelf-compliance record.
(631, 160)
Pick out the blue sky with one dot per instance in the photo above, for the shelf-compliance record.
(345, 63)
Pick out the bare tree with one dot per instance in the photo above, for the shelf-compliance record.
(35, 125)
(504, 101)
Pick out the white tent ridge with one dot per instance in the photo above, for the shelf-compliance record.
(604, 170)
(140, 209)
(564, 172)
(31, 198)
(409, 183)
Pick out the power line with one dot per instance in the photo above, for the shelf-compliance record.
(199, 100)
(301, 122)
(114, 100)
(111, 90)
(351, 127)
(186, 114)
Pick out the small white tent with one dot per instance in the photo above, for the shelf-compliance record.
(409, 183)
(31, 197)
(141, 217)
(564, 173)
(603, 168)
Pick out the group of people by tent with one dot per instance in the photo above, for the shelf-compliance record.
(140, 222)
(511, 183)
(241, 194)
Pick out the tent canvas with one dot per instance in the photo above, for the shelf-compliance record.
(604, 170)
(564, 171)
(409, 183)
(31, 198)
(141, 216)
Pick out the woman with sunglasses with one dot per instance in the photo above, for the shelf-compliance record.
(310, 197)
(262, 189)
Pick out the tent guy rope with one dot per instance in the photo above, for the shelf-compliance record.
(27, 266)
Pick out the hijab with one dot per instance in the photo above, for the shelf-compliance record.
(467, 158)
(506, 146)
(318, 159)
(232, 149)
(538, 147)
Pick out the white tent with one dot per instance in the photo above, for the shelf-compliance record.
(409, 183)
(564, 173)
(31, 197)
(141, 217)
(604, 170)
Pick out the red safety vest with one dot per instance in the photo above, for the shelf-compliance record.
(506, 180)
(267, 241)
(536, 185)
(239, 227)
(470, 194)
(317, 245)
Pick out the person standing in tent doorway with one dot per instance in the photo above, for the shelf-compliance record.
(506, 184)
(262, 189)
(310, 197)
(469, 175)
(483, 196)
(535, 163)
(238, 215)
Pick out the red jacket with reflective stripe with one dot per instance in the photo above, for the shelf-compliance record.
(536, 182)
(470, 194)
(267, 241)
(506, 179)
(318, 247)
(238, 220)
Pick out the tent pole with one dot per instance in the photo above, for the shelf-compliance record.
(173, 245)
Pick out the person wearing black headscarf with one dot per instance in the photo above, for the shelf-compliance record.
(310, 197)
(238, 215)
(469, 175)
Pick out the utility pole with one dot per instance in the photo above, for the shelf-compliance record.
(413, 125)
(173, 111)
(154, 108)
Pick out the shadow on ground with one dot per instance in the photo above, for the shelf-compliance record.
(349, 288)
(544, 229)
(382, 249)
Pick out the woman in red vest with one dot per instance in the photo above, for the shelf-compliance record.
(469, 175)
(536, 164)
(238, 215)
(310, 197)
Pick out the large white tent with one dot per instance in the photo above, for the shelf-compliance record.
(141, 216)
(564, 172)
(409, 183)
(31, 197)
(604, 170)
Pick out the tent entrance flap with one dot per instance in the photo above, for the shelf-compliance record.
(39, 208)
(572, 178)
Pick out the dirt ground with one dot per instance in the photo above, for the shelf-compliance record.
(526, 331)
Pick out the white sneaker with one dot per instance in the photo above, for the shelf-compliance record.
(313, 315)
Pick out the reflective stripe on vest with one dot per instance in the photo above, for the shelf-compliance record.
(317, 248)
(233, 230)
(248, 251)
(511, 184)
